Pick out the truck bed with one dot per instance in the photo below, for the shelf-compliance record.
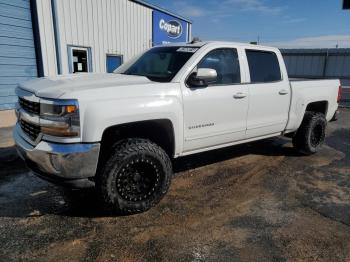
(306, 91)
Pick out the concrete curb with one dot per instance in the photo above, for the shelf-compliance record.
(7, 118)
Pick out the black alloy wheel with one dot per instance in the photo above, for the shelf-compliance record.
(135, 177)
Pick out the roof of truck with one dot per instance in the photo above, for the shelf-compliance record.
(203, 43)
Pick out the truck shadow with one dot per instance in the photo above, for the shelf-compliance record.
(279, 146)
(24, 195)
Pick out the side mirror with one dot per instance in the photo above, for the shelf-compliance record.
(202, 77)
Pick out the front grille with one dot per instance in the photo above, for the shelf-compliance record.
(29, 106)
(30, 130)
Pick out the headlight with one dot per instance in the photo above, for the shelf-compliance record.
(60, 118)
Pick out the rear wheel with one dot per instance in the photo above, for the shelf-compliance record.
(311, 134)
(135, 177)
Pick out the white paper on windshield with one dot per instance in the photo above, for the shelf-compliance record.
(187, 49)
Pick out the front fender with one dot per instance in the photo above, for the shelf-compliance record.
(100, 115)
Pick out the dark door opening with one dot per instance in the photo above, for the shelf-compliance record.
(113, 62)
(80, 61)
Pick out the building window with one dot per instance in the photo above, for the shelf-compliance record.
(113, 62)
(79, 59)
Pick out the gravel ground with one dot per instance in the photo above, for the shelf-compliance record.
(255, 202)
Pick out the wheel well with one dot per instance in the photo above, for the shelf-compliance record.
(159, 131)
(318, 107)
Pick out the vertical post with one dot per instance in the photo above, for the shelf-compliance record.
(325, 64)
(57, 36)
(189, 32)
(36, 34)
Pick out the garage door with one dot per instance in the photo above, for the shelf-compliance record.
(17, 52)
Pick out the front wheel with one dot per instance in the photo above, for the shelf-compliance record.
(135, 178)
(311, 134)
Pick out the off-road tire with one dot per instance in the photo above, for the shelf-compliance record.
(311, 134)
(148, 162)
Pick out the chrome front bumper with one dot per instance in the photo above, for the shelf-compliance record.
(62, 161)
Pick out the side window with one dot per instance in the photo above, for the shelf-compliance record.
(226, 64)
(263, 66)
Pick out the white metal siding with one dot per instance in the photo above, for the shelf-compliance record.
(106, 26)
(47, 38)
(17, 52)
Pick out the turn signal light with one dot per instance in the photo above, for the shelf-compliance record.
(71, 109)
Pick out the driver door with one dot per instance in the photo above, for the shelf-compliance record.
(216, 114)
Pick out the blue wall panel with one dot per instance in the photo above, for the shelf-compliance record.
(12, 11)
(17, 50)
(113, 62)
(19, 42)
(18, 3)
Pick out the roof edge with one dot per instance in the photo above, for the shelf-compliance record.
(155, 7)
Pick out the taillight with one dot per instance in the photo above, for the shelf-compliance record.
(339, 94)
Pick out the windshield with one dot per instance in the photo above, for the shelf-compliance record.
(160, 64)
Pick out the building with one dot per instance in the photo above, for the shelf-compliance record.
(52, 37)
(318, 63)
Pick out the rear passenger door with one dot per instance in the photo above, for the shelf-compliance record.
(269, 94)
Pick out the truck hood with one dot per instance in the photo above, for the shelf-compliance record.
(55, 87)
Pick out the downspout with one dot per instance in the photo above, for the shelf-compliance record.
(56, 36)
(36, 35)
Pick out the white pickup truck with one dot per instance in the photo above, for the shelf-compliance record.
(118, 132)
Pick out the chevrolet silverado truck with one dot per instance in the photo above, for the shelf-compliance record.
(119, 132)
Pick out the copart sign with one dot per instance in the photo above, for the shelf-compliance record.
(168, 29)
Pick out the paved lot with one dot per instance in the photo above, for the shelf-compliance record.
(255, 202)
(346, 96)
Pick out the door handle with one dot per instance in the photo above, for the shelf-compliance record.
(283, 92)
(239, 95)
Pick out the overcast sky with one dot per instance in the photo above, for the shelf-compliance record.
(292, 23)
